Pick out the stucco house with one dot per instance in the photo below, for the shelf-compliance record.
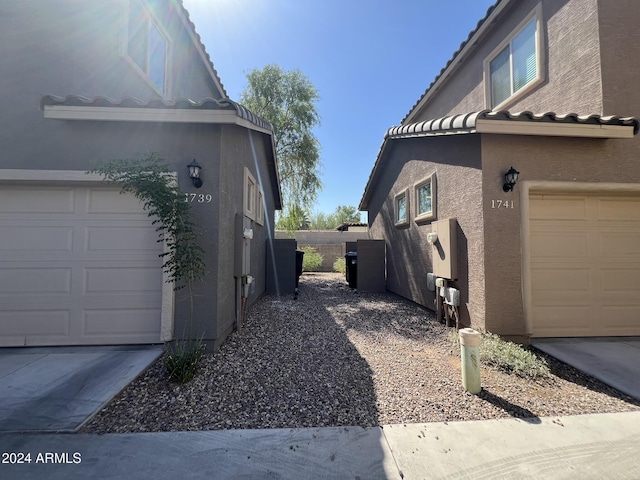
(548, 87)
(84, 82)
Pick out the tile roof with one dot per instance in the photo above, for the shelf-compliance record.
(179, 104)
(200, 45)
(344, 226)
(466, 123)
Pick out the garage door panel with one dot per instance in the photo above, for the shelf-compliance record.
(623, 209)
(585, 271)
(549, 279)
(34, 281)
(552, 245)
(557, 208)
(41, 200)
(30, 322)
(123, 279)
(120, 238)
(621, 319)
(109, 201)
(122, 322)
(619, 245)
(569, 320)
(45, 238)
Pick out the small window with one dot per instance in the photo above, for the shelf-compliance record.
(515, 67)
(425, 194)
(401, 207)
(147, 46)
(250, 187)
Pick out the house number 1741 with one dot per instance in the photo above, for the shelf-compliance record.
(501, 203)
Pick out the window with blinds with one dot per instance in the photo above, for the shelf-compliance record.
(514, 67)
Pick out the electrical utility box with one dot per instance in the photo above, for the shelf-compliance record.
(445, 249)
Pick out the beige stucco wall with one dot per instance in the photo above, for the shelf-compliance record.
(620, 56)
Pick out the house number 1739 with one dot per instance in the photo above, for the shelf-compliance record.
(501, 203)
(197, 197)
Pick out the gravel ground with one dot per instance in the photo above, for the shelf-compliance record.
(336, 357)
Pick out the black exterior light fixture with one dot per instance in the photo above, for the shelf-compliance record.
(510, 179)
(194, 173)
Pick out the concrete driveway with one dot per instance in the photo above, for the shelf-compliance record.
(612, 360)
(57, 389)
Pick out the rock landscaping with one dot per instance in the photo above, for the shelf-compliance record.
(336, 357)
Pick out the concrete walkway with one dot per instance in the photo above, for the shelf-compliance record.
(574, 447)
(58, 388)
(612, 360)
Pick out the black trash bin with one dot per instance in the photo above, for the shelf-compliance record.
(299, 259)
(351, 264)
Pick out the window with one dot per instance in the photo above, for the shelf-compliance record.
(401, 207)
(147, 46)
(425, 194)
(515, 67)
(250, 188)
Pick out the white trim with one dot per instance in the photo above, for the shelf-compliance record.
(249, 207)
(162, 115)
(398, 222)
(461, 57)
(79, 177)
(553, 129)
(540, 61)
(526, 188)
(427, 216)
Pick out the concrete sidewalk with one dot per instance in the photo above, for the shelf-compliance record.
(584, 447)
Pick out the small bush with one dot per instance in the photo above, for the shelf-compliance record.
(312, 260)
(509, 357)
(182, 359)
(339, 265)
(512, 358)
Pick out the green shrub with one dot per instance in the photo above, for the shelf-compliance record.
(182, 359)
(509, 357)
(312, 260)
(339, 265)
(512, 358)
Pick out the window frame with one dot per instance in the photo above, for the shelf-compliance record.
(259, 207)
(151, 22)
(431, 215)
(536, 14)
(396, 211)
(250, 186)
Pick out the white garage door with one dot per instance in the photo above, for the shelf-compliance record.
(585, 265)
(78, 266)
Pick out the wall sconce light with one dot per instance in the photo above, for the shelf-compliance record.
(194, 173)
(510, 179)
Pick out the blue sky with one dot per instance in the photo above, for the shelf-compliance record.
(370, 60)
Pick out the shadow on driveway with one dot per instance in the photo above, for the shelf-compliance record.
(57, 389)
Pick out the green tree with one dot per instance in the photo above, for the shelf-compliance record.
(343, 213)
(346, 213)
(287, 100)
